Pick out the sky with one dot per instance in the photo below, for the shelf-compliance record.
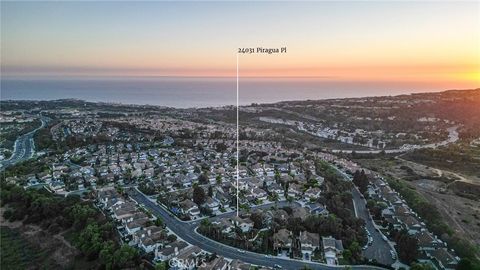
(362, 41)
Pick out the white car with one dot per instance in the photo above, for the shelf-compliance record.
(241, 250)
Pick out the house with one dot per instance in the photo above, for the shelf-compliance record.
(332, 250)
(317, 209)
(169, 251)
(136, 225)
(257, 169)
(300, 212)
(312, 194)
(245, 225)
(282, 242)
(135, 215)
(283, 168)
(219, 263)
(295, 190)
(32, 182)
(57, 186)
(427, 242)
(276, 189)
(279, 214)
(149, 238)
(187, 258)
(410, 223)
(259, 194)
(212, 204)
(223, 198)
(309, 242)
(123, 211)
(239, 265)
(189, 207)
(225, 226)
(442, 259)
(149, 173)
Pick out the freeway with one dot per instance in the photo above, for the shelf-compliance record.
(187, 232)
(24, 147)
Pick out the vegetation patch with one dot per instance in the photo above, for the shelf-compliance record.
(18, 253)
(461, 158)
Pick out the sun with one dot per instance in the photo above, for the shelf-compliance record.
(472, 76)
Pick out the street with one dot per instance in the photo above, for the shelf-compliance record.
(24, 147)
(187, 232)
(380, 249)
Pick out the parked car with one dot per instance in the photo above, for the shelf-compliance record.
(394, 256)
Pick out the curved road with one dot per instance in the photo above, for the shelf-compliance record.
(187, 231)
(380, 248)
(24, 146)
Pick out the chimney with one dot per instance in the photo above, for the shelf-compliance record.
(176, 251)
(149, 232)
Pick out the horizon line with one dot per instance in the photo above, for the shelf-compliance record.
(161, 76)
(233, 105)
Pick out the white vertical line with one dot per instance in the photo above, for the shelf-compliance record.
(238, 199)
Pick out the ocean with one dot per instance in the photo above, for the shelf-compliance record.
(183, 92)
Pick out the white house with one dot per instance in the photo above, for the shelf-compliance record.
(332, 249)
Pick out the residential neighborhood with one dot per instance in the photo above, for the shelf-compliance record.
(174, 189)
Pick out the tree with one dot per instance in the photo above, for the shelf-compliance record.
(468, 264)
(407, 246)
(125, 257)
(199, 196)
(355, 251)
(421, 266)
(161, 266)
(295, 225)
(360, 179)
(172, 238)
(371, 203)
(90, 241)
(308, 174)
(79, 214)
(202, 179)
(159, 222)
(106, 254)
(257, 219)
(210, 191)
(220, 147)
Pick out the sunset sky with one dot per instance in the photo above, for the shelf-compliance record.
(371, 41)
